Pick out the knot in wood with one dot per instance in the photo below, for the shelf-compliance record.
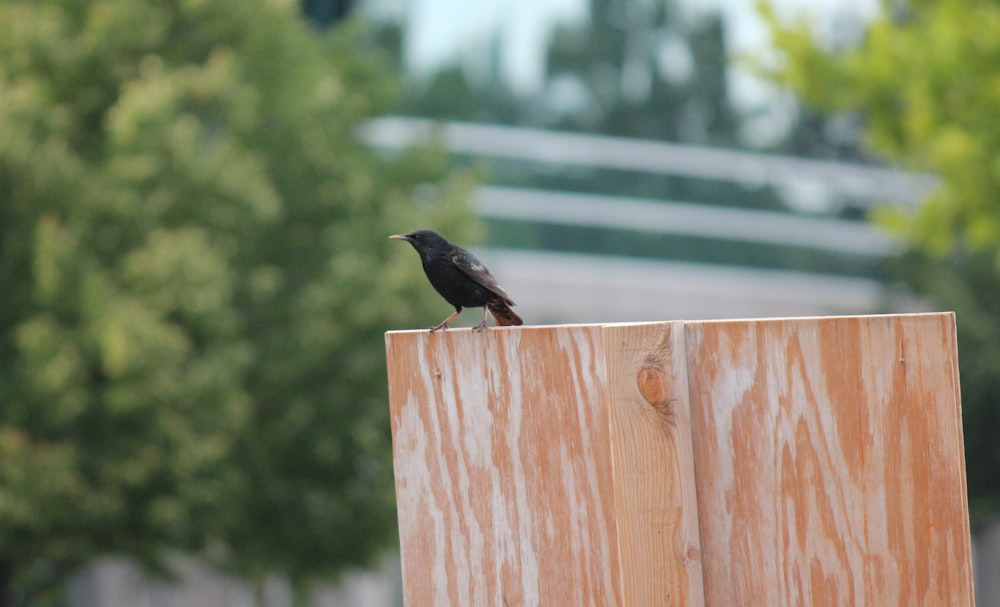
(692, 553)
(654, 385)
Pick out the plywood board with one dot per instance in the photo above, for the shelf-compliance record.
(829, 463)
(503, 467)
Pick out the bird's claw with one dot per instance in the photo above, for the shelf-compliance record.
(439, 327)
(480, 327)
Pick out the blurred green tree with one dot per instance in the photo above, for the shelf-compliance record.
(632, 69)
(648, 70)
(196, 280)
(924, 76)
(643, 70)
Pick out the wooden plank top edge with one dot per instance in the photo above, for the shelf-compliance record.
(464, 330)
(830, 317)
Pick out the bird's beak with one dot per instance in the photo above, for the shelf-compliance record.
(399, 237)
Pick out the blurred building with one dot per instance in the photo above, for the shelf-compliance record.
(637, 172)
(572, 255)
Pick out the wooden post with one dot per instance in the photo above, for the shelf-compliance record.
(774, 462)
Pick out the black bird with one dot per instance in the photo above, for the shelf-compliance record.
(461, 279)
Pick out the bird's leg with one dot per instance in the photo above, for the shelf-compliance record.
(481, 326)
(444, 323)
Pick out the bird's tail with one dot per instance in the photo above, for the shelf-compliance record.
(503, 315)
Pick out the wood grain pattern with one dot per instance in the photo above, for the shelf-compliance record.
(653, 465)
(783, 462)
(829, 463)
(503, 467)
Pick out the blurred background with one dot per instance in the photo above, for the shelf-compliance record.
(195, 197)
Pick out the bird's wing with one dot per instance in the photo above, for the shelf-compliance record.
(474, 269)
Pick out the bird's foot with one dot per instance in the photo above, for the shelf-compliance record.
(480, 327)
(439, 327)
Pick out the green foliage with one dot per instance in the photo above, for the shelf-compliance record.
(925, 78)
(196, 282)
(929, 89)
(633, 69)
(644, 70)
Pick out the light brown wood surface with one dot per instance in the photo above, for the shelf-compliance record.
(502, 468)
(829, 463)
(775, 462)
(656, 506)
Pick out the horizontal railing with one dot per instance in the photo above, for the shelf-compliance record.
(666, 217)
(869, 183)
(717, 232)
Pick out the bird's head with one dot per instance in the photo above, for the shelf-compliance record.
(423, 240)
